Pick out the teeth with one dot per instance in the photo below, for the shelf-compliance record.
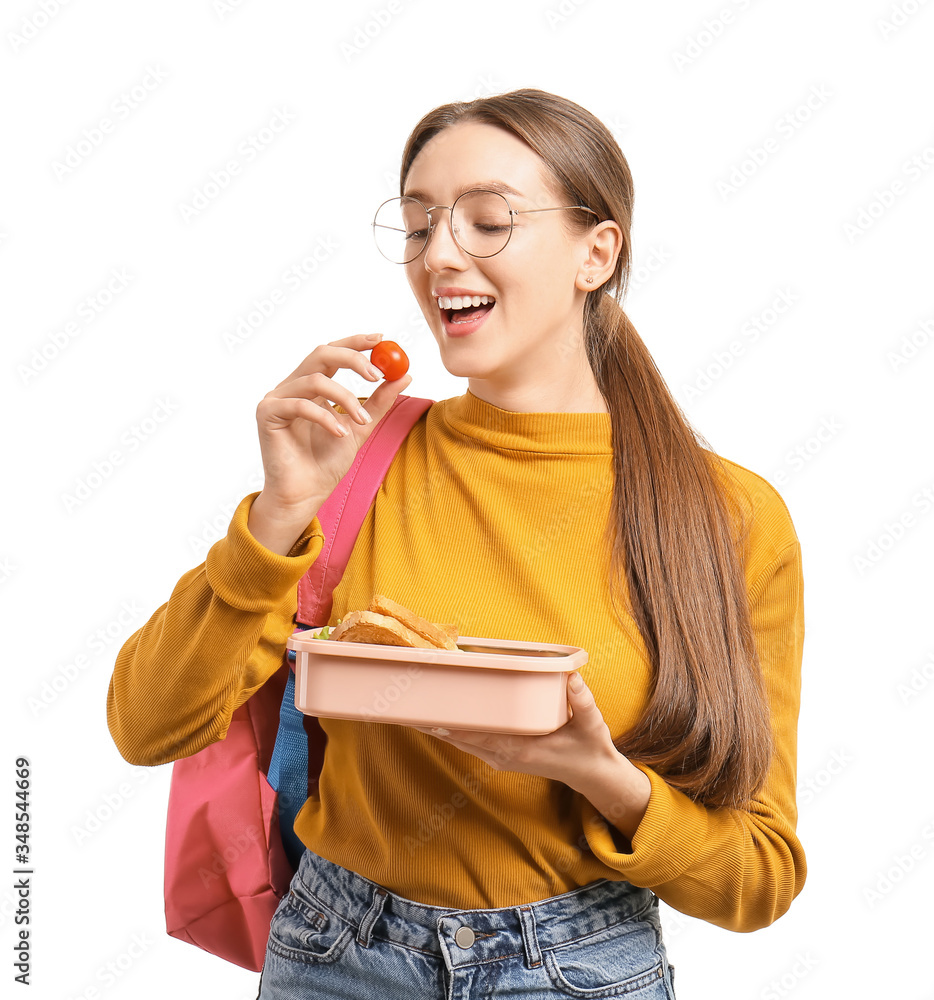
(462, 301)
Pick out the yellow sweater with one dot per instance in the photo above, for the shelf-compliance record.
(493, 520)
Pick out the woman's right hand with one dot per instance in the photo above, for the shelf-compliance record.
(305, 455)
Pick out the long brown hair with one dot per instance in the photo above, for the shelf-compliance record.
(675, 528)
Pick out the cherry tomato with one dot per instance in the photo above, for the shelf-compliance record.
(390, 359)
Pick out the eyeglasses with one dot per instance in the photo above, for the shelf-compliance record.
(481, 223)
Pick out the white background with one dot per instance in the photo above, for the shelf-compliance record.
(828, 402)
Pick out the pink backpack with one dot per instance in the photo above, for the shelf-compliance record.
(230, 850)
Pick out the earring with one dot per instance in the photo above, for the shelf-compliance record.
(590, 280)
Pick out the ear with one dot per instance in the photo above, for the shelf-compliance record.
(601, 248)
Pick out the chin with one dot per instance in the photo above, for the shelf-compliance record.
(461, 367)
(463, 370)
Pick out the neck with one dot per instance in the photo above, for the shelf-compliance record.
(536, 399)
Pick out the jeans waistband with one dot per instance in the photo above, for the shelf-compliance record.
(530, 927)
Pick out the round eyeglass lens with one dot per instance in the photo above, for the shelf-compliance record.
(400, 228)
(481, 220)
(482, 223)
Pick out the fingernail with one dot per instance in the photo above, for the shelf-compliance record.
(575, 681)
(375, 336)
(374, 372)
(364, 416)
(441, 731)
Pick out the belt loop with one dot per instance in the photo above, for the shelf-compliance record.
(533, 954)
(366, 925)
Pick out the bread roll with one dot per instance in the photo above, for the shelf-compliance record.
(433, 634)
(388, 623)
(367, 626)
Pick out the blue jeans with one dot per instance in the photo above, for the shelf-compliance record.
(339, 935)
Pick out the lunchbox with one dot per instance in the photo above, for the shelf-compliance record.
(493, 685)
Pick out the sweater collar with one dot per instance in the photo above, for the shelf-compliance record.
(546, 432)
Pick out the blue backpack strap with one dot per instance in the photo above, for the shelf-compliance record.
(288, 767)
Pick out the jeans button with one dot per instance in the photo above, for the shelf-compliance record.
(465, 937)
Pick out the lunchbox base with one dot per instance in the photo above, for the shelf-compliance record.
(501, 701)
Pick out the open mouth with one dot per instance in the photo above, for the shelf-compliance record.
(463, 314)
(468, 315)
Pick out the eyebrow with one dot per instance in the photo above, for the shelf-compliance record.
(499, 186)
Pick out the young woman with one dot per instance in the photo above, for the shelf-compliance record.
(563, 498)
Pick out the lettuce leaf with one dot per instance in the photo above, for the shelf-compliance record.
(325, 631)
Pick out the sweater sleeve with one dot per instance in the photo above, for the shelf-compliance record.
(738, 869)
(219, 637)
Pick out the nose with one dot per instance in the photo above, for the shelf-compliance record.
(442, 250)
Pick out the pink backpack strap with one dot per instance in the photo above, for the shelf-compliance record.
(343, 513)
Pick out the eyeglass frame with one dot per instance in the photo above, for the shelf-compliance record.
(450, 208)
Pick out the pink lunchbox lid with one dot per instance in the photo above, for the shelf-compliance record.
(555, 658)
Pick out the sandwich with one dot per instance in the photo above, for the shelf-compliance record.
(388, 623)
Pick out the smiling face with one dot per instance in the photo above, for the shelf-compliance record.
(528, 351)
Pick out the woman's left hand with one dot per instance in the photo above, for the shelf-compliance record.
(570, 754)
